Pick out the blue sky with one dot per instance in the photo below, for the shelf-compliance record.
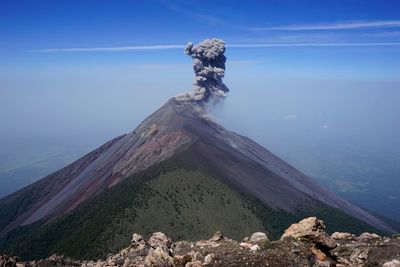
(26, 26)
(36, 25)
(104, 65)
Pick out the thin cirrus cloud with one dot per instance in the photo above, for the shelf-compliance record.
(176, 46)
(353, 25)
(109, 49)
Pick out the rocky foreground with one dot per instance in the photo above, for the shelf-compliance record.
(303, 244)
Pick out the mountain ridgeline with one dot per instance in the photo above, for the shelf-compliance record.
(178, 172)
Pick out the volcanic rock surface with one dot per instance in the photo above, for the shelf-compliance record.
(290, 250)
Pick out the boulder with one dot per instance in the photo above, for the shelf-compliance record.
(136, 238)
(342, 236)
(246, 245)
(209, 260)
(321, 256)
(138, 247)
(359, 256)
(368, 236)
(319, 263)
(392, 263)
(258, 237)
(180, 261)
(158, 257)
(310, 229)
(197, 256)
(194, 264)
(255, 248)
(217, 237)
(160, 240)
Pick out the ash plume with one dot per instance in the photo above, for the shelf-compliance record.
(209, 69)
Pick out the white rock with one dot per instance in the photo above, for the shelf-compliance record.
(136, 238)
(246, 245)
(368, 236)
(258, 237)
(392, 263)
(339, 235)
(158, 257)
(160, 240)
(209, 260)
(255, 248)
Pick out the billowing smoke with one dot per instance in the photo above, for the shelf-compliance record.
(209, 69)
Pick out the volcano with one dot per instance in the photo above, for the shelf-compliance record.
(178, 172)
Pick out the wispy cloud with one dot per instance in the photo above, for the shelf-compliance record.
(110, 49)
(271, 45)
(176, 46)
(203, 15)
(332, 26)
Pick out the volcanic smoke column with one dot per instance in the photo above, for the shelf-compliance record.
(209, 69)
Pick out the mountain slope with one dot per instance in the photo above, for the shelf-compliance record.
(177, 196)
(177, 128)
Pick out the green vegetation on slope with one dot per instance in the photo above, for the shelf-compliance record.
(183, 201)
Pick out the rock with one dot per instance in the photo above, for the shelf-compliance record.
(392, 263)
(160, 240)
(194, 264)
(136, 238)
(319, 263)
(310, 249)
(255, 248)
(197, 256)
(319, 254)
(138, 247)
(359, 256)
(343, 261)
(310, 229)
(209, 260)
(246, 245)
(158, 257)
(180, 261)
(368, 236)
(127, 262)
(258, 237)
(342, 236)
(53, 260)
(363, 255)
(217, 237)
(119, 261)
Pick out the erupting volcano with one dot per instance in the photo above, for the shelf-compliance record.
(178, 172)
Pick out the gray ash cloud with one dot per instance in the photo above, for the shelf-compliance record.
(209, 69)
